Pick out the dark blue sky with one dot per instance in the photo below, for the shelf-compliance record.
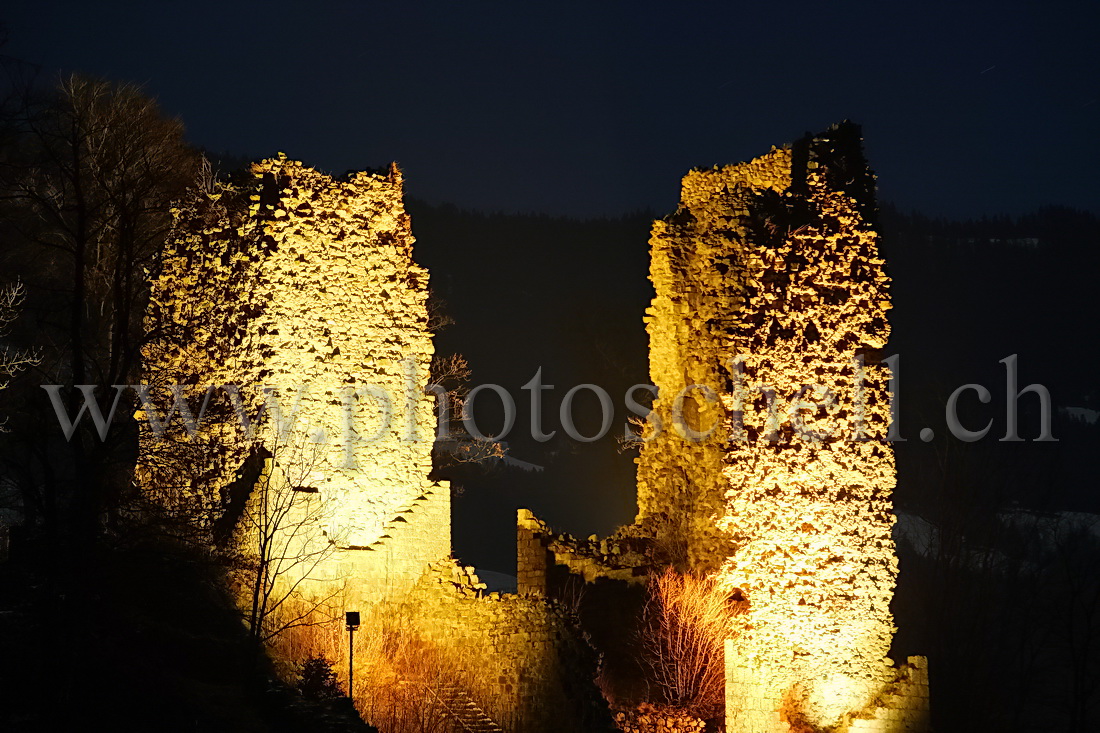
(599, 107)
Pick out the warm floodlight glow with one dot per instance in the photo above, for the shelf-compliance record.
(769, 282)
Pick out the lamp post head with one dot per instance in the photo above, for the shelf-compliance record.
(352, 619)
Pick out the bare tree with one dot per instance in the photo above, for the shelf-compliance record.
(93, 192)
(282, 542)
(87, 181)
(12, 360)
(450, 377)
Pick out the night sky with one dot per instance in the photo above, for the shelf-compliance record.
(599, 107)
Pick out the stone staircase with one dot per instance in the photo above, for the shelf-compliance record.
(461, 709)
(412, 511)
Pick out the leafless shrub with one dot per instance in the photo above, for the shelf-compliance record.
(687, 620)
(450, 379)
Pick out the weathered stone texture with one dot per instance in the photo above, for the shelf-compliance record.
(542, 554)
(901, 705)
(653, 719)
(304, 286)
(528, 663)
(297, 287)
(312, 293)
(775, 472)
(701, 282)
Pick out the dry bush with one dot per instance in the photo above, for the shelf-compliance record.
(408, 683)
(687, 620)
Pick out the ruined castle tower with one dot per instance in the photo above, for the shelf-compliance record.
(300, 292)
(772, 467)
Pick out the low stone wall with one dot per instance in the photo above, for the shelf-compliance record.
(540, 551)
(904, 705)
(541, 670)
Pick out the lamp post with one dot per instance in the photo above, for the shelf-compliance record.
(352, 619)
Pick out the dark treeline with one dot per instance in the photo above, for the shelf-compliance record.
(89, 173)
(999, 580)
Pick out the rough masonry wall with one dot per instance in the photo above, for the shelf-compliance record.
(901, 707)
(529, 668)
(770, 292)
(653, 719)
(542, 555)
(304, 286)
(300, 290)
(694, 269)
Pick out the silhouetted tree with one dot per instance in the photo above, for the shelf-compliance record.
(317, 680)
(87, 179)
(12, 360)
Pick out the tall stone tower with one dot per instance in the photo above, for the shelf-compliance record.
(299, 291)
(771, 466)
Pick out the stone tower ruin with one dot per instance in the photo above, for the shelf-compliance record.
(765, 460)
(292, 299)
(775, 471)
(300, 293)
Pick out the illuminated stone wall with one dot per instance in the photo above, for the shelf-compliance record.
(695, 267)
(775, 473)
(301, 290)
(294, 281)
(542, 553)
(528, 665)
(311, 284)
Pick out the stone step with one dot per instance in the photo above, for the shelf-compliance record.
(462, 709)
